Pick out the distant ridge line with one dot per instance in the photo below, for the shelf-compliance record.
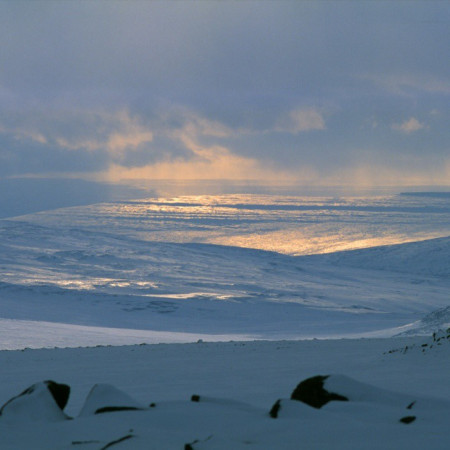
(427, 194)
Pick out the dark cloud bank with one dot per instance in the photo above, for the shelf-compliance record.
(313, 93)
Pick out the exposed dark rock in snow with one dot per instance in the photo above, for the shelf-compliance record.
(107, 409)
(190, 446)
(59, 391)
(117, 441)
(275, 409)
(227, 423)
(312, 392)
(41, 401)
(439, 337)
(408, 419)
(106, 398)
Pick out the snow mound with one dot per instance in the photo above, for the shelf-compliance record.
(320, 390)
(356, 391)
(397, 401)
(42, 401)
(107, 398)
(211, 423)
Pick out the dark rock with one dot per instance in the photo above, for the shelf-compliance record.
(312, 392)
(107, 409)
(275, 408)
(190, 446)
(408, 419)
(117, 441)
(60, 392)
(195, 398)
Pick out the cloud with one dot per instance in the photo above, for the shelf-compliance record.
(179, 143)
(181, 122)
(136, 89)
(175, 143)
(406, 84)
(24, 134)
(117, 134)
(203, 162)
(216, 163)
(301, 120)
(113, 132)
(409, 126)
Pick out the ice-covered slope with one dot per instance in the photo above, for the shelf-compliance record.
(101, 280)
(438, 319)
(423, 258)
(150, 267)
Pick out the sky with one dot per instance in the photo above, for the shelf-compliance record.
(304, 92)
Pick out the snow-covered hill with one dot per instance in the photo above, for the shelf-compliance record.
(237, 269)
(153, 271)
(422, 258)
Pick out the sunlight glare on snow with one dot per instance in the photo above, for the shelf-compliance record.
(286, 224)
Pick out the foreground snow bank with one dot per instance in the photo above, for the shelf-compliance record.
(390, 393)
(224, 424)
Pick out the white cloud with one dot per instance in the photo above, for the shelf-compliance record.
(409, 126)
(301, 120)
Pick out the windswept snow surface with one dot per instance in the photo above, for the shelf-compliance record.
(228, 268)
(223, 267)
(236, 383)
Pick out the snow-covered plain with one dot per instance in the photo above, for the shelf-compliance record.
(223, 267)
(233, 268)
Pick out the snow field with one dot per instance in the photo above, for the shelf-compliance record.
(237, 384)
(234, 269)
